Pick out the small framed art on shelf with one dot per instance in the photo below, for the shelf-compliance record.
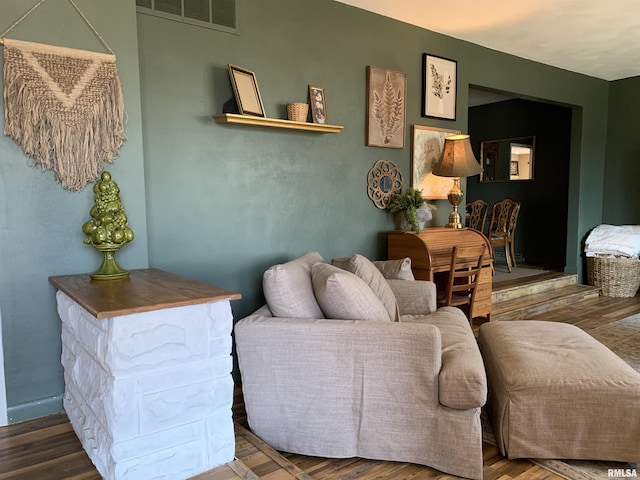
(318, 100)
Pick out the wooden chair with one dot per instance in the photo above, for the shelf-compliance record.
(511, 233)
(476, 214)
(502, 227)
(464, 274)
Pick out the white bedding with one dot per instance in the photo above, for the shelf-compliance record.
(613, 240)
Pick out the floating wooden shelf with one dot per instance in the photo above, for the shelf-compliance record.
(276, 123)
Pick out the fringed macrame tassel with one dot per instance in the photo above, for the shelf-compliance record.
(65, 108)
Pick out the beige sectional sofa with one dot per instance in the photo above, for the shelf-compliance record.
(343, 362)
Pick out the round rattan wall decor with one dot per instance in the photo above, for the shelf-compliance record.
(384, 180)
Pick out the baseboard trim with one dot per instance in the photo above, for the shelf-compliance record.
(35, 409)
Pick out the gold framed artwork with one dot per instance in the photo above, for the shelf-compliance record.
(245, 89)
(439, 77)
(386, 107)
(426, 148)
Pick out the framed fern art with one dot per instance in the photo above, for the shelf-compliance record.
(386, 107)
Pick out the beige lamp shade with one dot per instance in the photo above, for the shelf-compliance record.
(457, 159)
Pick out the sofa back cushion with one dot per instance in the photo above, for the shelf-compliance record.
(364, 269)
(399, 269)
(342, 295)
(288, 290)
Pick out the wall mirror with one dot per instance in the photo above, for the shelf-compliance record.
(507, 160)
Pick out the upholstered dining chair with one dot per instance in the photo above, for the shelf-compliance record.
(476, 214)
(464, 274)
(502, 227)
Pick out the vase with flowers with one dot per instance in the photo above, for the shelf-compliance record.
(411, 209)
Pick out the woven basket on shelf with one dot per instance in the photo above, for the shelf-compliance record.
(616, 276)
(297, 111)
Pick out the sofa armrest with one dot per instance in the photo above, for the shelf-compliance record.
(463, 380)
(414, 297)
(334, 378)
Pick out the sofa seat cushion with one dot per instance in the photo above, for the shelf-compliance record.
(343, 295)
(462, 382)
(288, 289)
(364, 269)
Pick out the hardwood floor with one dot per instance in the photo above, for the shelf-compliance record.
(47, 448)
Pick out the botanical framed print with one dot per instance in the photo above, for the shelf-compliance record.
(439, 87)
(386, 107)
(245, 89)
(426, 147)
(318, 101)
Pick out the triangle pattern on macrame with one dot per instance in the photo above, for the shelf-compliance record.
(65, 73)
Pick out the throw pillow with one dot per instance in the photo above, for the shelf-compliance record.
(367, 271)
(395, 269)
(288, 290)
(342, 295)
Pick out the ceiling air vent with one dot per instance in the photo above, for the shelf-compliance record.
(216, 14)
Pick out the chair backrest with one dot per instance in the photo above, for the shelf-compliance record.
(464, 273)
(513, 219)
(477, 214)
(501, 217)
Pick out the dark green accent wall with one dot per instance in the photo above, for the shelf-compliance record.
(621, 188)
(541, 234)
(220, 203)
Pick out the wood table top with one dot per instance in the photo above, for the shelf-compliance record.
(144, 290)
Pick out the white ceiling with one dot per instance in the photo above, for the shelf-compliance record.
(594, 37)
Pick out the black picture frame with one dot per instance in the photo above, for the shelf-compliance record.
(439, 87)
(246, 92)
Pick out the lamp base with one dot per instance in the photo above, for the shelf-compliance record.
(455, 221)
(455, 198)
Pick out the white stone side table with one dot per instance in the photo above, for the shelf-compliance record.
(147, 368)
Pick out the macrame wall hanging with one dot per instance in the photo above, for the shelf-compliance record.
(63, 106)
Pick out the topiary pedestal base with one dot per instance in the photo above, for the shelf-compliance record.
(109, 269)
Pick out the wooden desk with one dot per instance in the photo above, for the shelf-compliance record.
(430, 253)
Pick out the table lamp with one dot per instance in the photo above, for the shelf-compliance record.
(457, 160)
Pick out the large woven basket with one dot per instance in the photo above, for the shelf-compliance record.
(616, 276)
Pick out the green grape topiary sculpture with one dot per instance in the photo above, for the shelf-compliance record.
(107, 230)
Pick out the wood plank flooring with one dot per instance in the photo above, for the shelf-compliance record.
(47, 448)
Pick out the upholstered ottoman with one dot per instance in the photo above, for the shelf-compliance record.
(556, 392)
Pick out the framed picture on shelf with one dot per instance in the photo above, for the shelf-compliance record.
(386, 107)
(439, 77)
(515, 169)
(318, 101)
(426, 147)
(245, 89)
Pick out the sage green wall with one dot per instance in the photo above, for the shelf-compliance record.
(622, 195)
(226, 202)
(40, 223)
(221, 203)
